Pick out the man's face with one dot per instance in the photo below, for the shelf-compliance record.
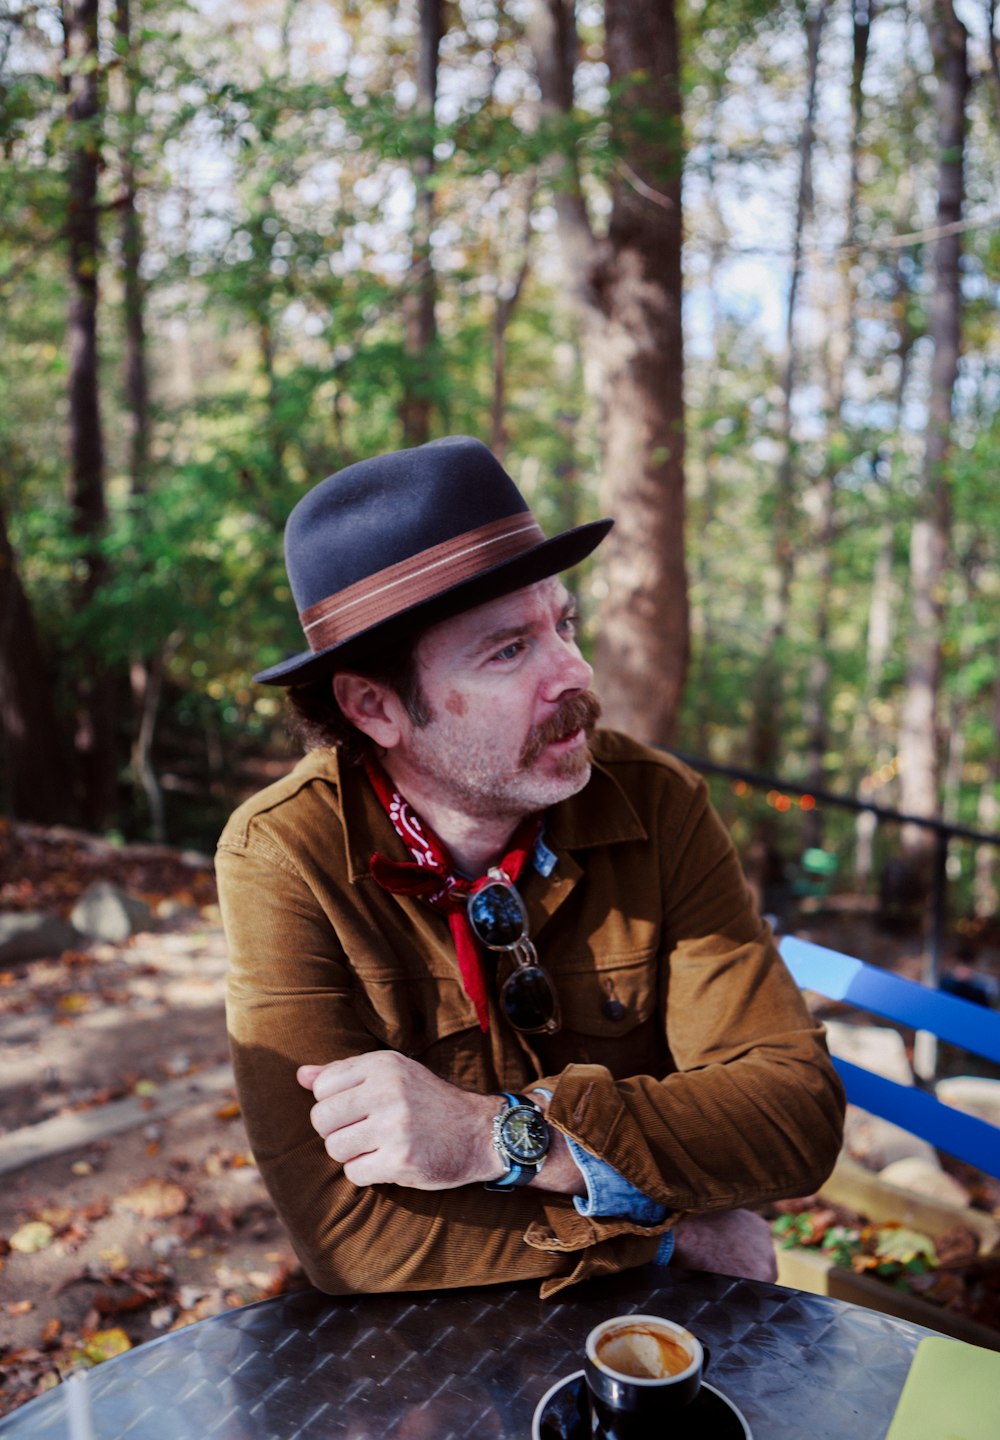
(507, 691)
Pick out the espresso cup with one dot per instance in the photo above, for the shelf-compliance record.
(640, 1369)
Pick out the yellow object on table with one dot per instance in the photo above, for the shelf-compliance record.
(952, 1392)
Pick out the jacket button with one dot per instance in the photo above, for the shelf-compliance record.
(611, 1007)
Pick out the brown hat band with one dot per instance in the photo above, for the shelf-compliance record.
(421, 577)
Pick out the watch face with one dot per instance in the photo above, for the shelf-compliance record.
(525, 1134)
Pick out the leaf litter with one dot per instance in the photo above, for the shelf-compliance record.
(106, 1247)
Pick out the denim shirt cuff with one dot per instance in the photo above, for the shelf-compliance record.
(608, 1193)
(665, 1253)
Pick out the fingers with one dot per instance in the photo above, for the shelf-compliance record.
(338, 1075)
(339, 1111)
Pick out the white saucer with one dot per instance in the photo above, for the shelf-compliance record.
(712, 1416)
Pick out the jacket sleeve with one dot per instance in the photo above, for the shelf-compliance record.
(754, 1109)
(289, 1002)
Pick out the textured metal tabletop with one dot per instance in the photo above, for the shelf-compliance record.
(474, 1363)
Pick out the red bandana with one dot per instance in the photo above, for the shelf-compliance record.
(433, 878)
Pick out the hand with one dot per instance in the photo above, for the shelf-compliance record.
(732, 1242)
(389, 1120)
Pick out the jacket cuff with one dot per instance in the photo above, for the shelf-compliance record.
(593, 1246)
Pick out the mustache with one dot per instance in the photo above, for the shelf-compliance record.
(578, 712)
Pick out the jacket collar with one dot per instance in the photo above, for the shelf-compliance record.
(601, 814)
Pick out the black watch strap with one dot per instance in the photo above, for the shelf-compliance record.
(519, 1172)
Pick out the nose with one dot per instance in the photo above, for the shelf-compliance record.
(569, 673)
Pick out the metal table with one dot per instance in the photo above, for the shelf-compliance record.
(474, 1363)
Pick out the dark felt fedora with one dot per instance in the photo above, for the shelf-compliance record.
(400, 541)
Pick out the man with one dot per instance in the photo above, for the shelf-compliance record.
(499, 1003)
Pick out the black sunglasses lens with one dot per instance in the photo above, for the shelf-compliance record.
(496, 916)
(528, 1000)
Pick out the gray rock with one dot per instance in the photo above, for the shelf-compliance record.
(872, 1141)
(916, 1175)
(874, 1047)
(975, 1094)
(33, 935)
(876, 1143)
(106, 913)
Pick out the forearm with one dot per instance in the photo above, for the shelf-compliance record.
(727, 1136)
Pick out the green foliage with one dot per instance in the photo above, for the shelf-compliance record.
(276, 184)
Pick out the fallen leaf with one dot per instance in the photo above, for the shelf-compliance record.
(103, 1345)
(145, 1088)
(114, 1258)
(51, 1331)
(82, 1167)
(20, 1307)
(904, 1246)
(35, 1235)
(75, 1003)
(58, 1216)
(156, 1200)
(228, 1112)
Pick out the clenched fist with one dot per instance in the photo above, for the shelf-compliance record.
(389, 1120)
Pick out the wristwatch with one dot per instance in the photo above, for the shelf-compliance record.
(521, 1136)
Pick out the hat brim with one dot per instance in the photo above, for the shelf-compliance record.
(549, 558)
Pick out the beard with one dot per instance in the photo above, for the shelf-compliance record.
(465, 772)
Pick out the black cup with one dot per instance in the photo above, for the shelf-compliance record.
(641, 1370)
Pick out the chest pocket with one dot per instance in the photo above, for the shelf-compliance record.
(610, 1016)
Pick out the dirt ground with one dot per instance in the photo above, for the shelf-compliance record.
(109, 1244)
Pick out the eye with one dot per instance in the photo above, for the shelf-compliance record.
(509, 652)
(569, 625)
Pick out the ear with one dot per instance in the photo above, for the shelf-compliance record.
(372, 708)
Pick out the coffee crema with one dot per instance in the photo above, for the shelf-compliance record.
(643, 1352)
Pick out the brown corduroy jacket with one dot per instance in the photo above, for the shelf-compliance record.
(712, 1090)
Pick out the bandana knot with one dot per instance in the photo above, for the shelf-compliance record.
(431, 876)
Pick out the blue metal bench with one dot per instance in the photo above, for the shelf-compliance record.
(973, 1027)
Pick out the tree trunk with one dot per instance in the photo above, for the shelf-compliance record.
(552, 34)
(136, 368)
(628, 290)
(643, 638)
(95, 731)
(879, 647)
(840, 355)
(418, 305)
(508, 295)
(987, 896)
(873, 740)
(38, 784)
(919, 744)
(765, 725)
(717, 242)
(147, 684)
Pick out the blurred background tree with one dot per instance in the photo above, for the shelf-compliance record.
(729, 271)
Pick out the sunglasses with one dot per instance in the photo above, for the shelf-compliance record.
(499, 920)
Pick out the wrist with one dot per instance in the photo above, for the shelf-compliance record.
(521, 1139)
